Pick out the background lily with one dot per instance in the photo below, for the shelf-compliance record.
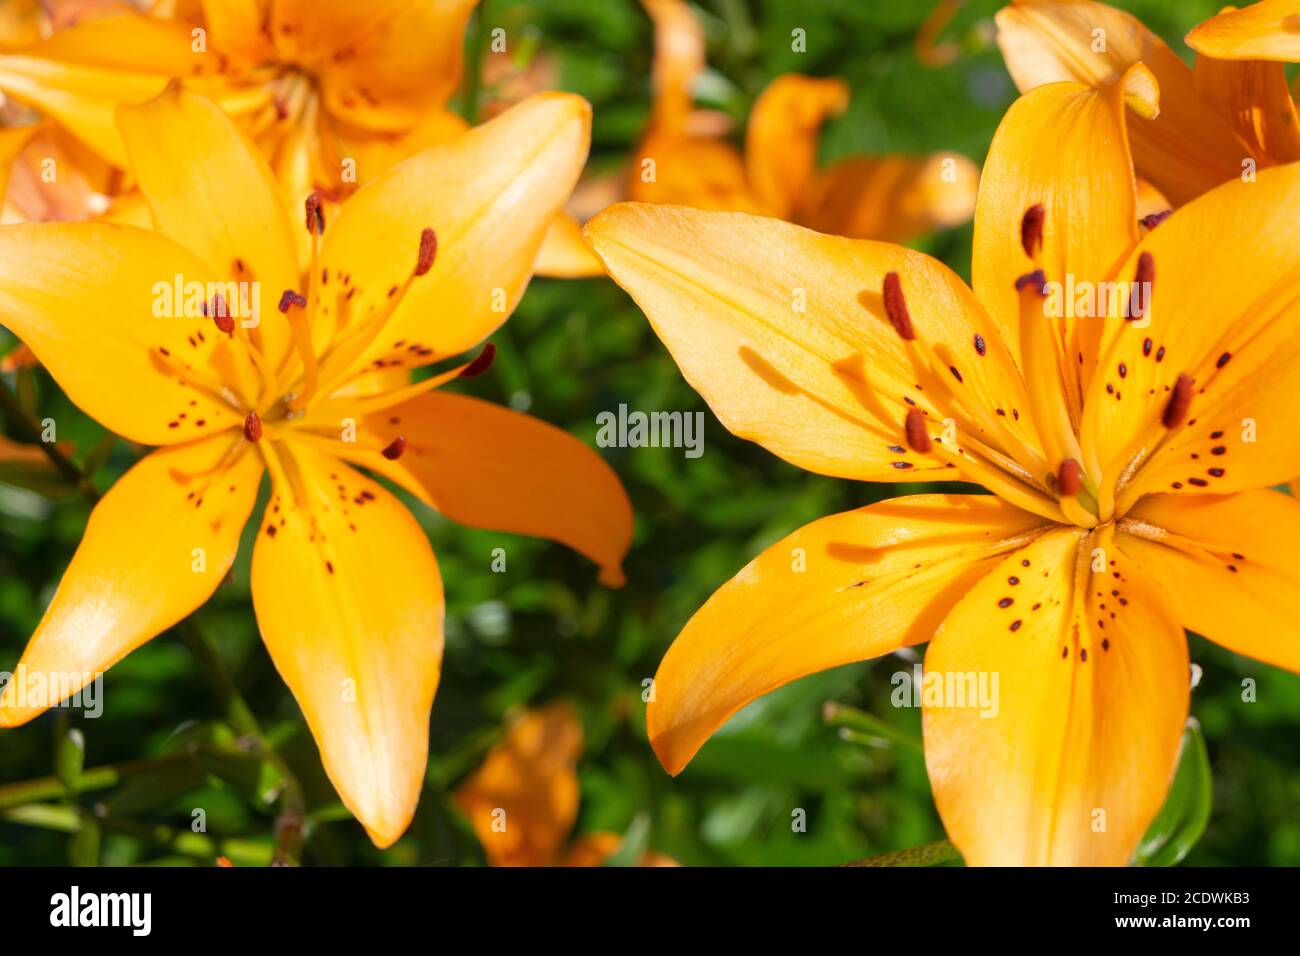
(421, 264)
(1229, 115)
(333, 93)
(522, 801)
(1126, 496)
(682, 160)
(312, 83)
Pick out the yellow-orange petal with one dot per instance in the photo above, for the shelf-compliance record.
(845, 588)
(564, 253)
(1228, 565)
(891, 198)
(490, 196)
(1227, 255)
(523, 799)
(349, 603)
(489, 467)
(1054, 698)
(1267, 30)
(1254, 95)
(97, 305)
(79, 76)
(376, 153)
(1063, 147)
(183, 533)
(698, 171)
(1188, 148)
(12, 142)
(220, 201)
(785, 333)
(235, 31)
(380, 64)
(783, 134)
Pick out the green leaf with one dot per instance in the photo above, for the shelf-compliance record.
(633, 847)
(1183, 818)
(249, 775)
(70, 759)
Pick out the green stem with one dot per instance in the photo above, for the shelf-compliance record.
(96, 778)
(289, 825)
(196, 845)
(29, 431)
(861, 722)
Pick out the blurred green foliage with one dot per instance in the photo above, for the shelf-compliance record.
(545, 629)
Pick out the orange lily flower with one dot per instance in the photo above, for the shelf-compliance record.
(334, 92)
(1264, 35)
(55, 177)
(314, 84)
(28, 466)
(1218, 122)
(523, 801)
(1128, 492)
(420, 265)
(886, 197)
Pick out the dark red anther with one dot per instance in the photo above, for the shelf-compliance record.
(395, 448)
(1179, 402)
(1156, 218)
(481, 362)
(428, 251)
(896, 307)
(1139, 299)
(315, 215)
(290, 298)
(1036, 280)
(1069, 479)
(253, 427)
(220, 314)
(918, 439)
(1031, 230)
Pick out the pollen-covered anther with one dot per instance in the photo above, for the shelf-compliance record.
(315, 215)
(896, 307)
(1180, 400)
(428, 252)
(395, 448)
(1139, 299)
(1069, 478)
(1031, 230)
(253, 427)
(289, 298)
(481, 362)
(918, 439)
(1035, 281)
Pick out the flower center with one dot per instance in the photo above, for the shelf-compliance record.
(1055, 479)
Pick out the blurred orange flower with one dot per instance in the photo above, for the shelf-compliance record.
(683, 160)
(523, 801)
